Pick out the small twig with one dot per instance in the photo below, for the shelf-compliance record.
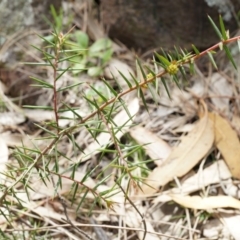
(60, 38)
(101, 235)
(67, 220)
(130, 201)
(97, 225)
(80, 231)
(111, 132)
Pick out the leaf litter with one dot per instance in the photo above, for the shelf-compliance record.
(227, 142)
(196, 161)
(192, 148)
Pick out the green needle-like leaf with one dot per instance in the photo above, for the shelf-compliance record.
(195, 49)
(135, 80)
(36, 64)
(38, 107)
(229, 55)
(126, 80)
(91, 102)
(216, 28)
(163, 60)
(42, 82)
(68, 58)
(49, 60)
(111, 111)
(143, 99)
(151, 71)
(153, 93)
(98, 93)
(225, 37)
(212, 60)
(141, 68)
(175, 79)
(110, 88)
(60, 75)
(68, 87)
(83, 198)
(125, 107)
(46, 130)
(165, 86)
(91, 133)
(182, 71)
(191, 68)
(46, 40)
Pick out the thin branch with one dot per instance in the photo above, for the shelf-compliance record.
(130, 201)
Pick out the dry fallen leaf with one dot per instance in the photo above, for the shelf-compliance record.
(17, 139)
(11, 118)
(40, 190)
(236, 122)
(197, 202)
(130, 215)
(219, 86)
(215, 173)
(232, 222)
(227, 142)
(184, 157)
(155, 147)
